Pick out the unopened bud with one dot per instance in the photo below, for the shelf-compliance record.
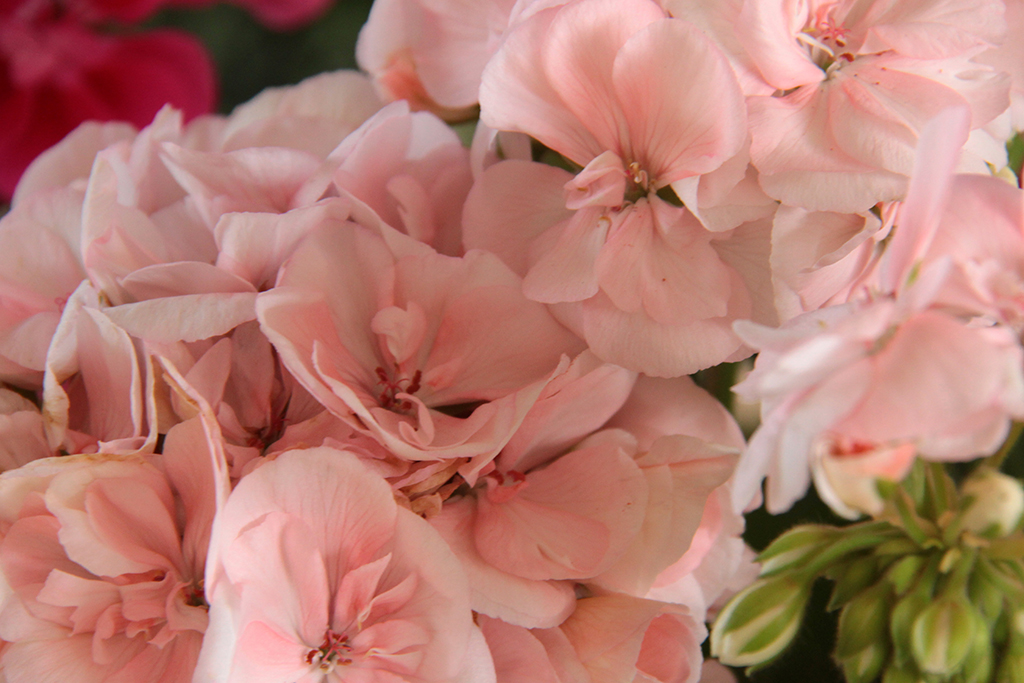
(864, 622)
(760, 621)
(904, 572)
(852, 578)
(793, 548)
(997, 506)
(865, 666)
(977, 667)
(1011, 668)
(942, 636)
(897, 674)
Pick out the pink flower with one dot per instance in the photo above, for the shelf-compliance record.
(435, 357)
(854, 83)
(318, 576)
(853, 380)
(430, 53)
(640, 279)
(104, 556)
(412, 170)
(607, 639)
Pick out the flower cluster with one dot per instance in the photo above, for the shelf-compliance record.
(312, 392)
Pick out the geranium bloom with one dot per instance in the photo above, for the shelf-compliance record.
(857, 379)
(848, 86)
(318, 576)
(435, 357)
(432, 53)
(641, 102)
(104, 556)
(608, 638)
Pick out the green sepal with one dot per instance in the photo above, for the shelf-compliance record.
(903, 574)
(865, 666)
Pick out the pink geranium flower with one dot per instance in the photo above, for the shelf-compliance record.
(318, 576)
(641, 102)
(435, 357)
(104, 556)
(848, 86)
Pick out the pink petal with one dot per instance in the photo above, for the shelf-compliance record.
(678, 128)
(517, 95)
(188, 318)
(525, 602)
(516, 193)
(571, 520)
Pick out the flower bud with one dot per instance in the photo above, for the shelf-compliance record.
(865, 666)
(1011, 668)
(852, 578)
(897, 674)
(977, 667)
(760, 621)
(864, 622)
(942, 636)
(904, 572)
(793, 548)
(997, 506)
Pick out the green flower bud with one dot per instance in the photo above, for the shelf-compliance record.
(793, 548)
(977, 667)
(896, 674)
(865, 666)
(760, 621)
(904, 613)
(986, 590)
(851, 579)
(1011, 666)
(864, 622)
(997, 506)
(942, 635)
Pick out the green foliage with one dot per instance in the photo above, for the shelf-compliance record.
(924, 593)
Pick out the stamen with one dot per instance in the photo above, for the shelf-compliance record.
(331, 651)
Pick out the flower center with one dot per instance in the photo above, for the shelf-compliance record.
(825, 37)
(331, 652)
(388, 397)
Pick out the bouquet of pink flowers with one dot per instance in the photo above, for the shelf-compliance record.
(319, 391)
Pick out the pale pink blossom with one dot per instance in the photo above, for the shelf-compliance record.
(611, 509)
(41, 266)
(412, 170)
(317, 575)
(22, 431)
(854, 83)
(436, 357)
(432, 53)
(1009, 57)
(641, 280)
(314, 115)
(608, 639)
(862, 378)
(104, 557)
